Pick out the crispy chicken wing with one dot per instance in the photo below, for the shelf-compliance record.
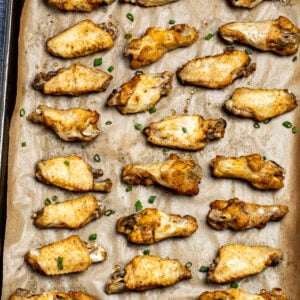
(239, 215)
(141, 93)
(73, 214)
(149, 3)
(187, 132)
(79, 5)
(74, 81)
(75, 124)
(147, 272)
(71, 173)
(157, 41)
(150, 225)
(280, 36)
(236, 262)
(263, 175)
(260, 104)
(82, 39)
(216, 71)
(176, 173)
(65, 256)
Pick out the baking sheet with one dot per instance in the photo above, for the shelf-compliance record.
(120, 144)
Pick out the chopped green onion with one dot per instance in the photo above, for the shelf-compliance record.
(138, 205)
(139, 72)
(128, 36)
(295, 58)
(184, 130)
(22, 112)
(60, 263)
(188, 265)
(130, 17)
(151, 199)
(23, 144)
(93, 237)
(110, 69)
(203, 269)
(267, 121)
(146, 252)
(256, 125)
(234, 285)
(152, 110)
(66, 162)
(165, 151)
(248, 51)
(209, 36)
(172, 22)
(138, 126)
(47, 201)
(83, 146)
(109, 212)
(294, 130)
(97, 61)
(108, 122)
(129, 188)
(54, 198)
(97, 158)
(287, 124)
(264, 158)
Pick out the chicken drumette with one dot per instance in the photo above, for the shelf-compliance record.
(76, 5)
(149, 3)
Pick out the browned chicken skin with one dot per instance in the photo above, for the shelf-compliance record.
(261, 174)
(239, 215)
(79, 5)
(151, 225)
(149, 3)
(245, 3)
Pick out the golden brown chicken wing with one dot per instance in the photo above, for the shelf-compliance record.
(74, 81)
(239, 215)
(73, 214)
(176, 173)
(149, 3)
(75, 124)
(71, 173)
(245, 3)
(65, 256)
(141, 93)
(82, 39)
(157, 41)
(150, 225)
(79, 5)
(261, 174)
(147, 272)
(260, 104)
(236, 262)
(216, 71)
(187, 132)
(280, 36)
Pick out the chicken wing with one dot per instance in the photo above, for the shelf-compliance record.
(79, 5)
(147, 272)
(71, 173)
(236, 262)
(263, 175)
(149, 3)
(65, 256)
(216, 71)
(187, 132)
(22, 294)
(157, 41)
(238, 294)
(74, 81)
(150, 225)
(141, 93)
(82, 39)
(260, 104)
(73, 214)
(280, 36)
(75, 124)
(245, 3)
(176, 173)
(239, 215)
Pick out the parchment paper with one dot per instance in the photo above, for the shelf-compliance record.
(120, 144)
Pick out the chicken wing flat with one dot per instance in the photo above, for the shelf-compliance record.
(73, 214)
(238, 294)
(187, 132)
(236, 262)
(280, 36)
(176, 173)
(150, 225)
(157, 41)
(149, 3)
(71, 173)
(141, 93)
(260, 104)
(79, 5)
(65, 256)
(75, 124)
(239, 215)
(216, 71)
(245, 3)
(147, 272)
(82, 39)
(261, 174)
(74, 81)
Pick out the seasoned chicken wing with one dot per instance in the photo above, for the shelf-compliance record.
(280, 36)
(187, 132)
(65, 256)
(71, 173)
(245, 3)
(157, 41)
(236, 262)
(150, 225)
(73, 214)
(149, 3)
(216, 71)
(75, 124)
(79, 5)
(147, 272)
(74, 81)
(176, 173)
(239, 215)
(260, 104)
(141, 93)
(261, 174)
(82, 39)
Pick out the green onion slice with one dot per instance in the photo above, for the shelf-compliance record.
(138, 126)
(47, 201)
(146, 252)
(97, 158)
(184, 130)
(209, 36)
(294, 130)
(152, 110)
(234, 285)
(203, 269)
(130, 17)
(109, 212)
(22, 112)
(295, 58)
(93, 237)
(97, 61)
(151, 199)
(138, 72)
(256, 125)
(66, 162)
(287, 124)
(138, 205)
(248, 51)
(23, 144)
(108, 122)
(188, 265)
(172, 22)
(128, 36)
(54, 198)
(60, 263)
(129, 188)
(110, 69)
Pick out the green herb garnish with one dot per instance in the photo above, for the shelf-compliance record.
(66, 162)
(60, 263)
(267, 121)
(93, 237)
(294, 130)
(234, 285)
(287, 124)
(130, 17)
(110, 69)
(172, 22)
(209, 36)
(97, 158)
(152, 110)
(139, 72)
(248, 51)
(151, 199)
(128, 36)
(109, 212)
(54, 198)
(23, 144)
(146, 252)
(294, 58)
(129, 188)
(138, 205)
(47, 201)
(108, 122)
(188, 265)
(184, 130)
(203, 269)
(97, 61)
(256, 125)
(22, 112)
(138, 126)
